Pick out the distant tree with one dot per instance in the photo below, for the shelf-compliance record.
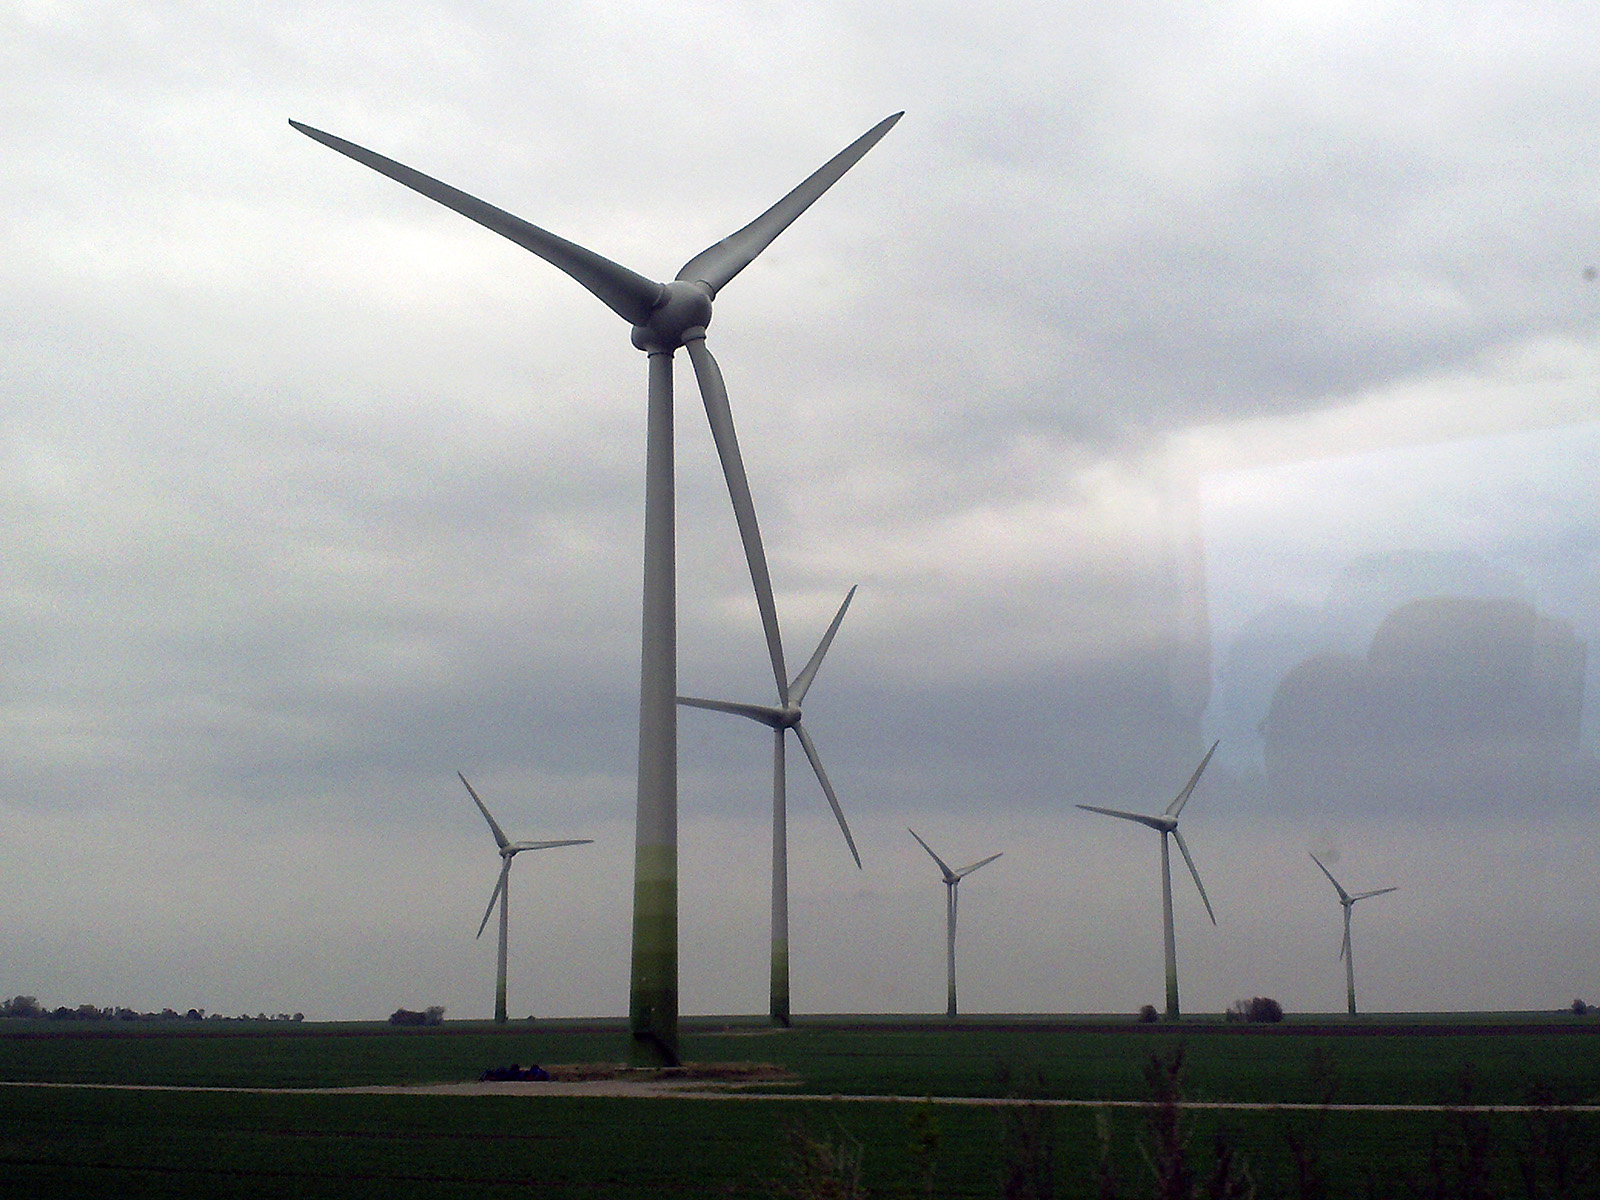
(1265, 1009)
(1261, 1009)
(429, 1016)
(1579, 1008)
(1147, 1014)
(21, 1006)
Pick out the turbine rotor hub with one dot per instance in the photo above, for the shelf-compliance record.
(683, 311)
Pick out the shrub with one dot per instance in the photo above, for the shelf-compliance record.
(1262, 1009)
(1147, 1014)
(821, 1169)
(1265, 1009)
(1579, 1008)
(433, 1015)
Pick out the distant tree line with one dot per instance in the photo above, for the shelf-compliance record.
(29, 1008)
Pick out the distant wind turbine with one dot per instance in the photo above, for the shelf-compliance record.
(508, 851)
(1167, 823)
(666, 317)
(1348, 901)
(780, 719)
(952, 880)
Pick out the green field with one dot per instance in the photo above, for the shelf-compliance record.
(61, 1141)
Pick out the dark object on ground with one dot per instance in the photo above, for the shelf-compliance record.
(514, 1074)
(1261, 1009)
(433, 1015)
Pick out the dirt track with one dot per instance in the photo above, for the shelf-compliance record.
(694, 1089)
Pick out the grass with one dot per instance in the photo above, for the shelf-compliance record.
(67, 1141)
(1416, 1063)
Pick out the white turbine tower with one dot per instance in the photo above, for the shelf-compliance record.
(1167, 823)
(780, 719)
(952, 880)
(1349, 901)
(508, 851)
(665, 317)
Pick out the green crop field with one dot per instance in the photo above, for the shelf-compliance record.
(75, 1141)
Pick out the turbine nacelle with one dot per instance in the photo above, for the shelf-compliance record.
(680, 315)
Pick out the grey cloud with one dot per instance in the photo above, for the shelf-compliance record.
(312, 493)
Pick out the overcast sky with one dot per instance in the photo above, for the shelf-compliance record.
(1154, 352)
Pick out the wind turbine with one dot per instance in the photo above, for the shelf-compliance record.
(952, 879)
(508, 851)
(1167, 823)
(780, 719)
(1349, 901)
(665, 317)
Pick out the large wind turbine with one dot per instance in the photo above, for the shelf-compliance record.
(665, 317)
(1348, 901)
(781, 718)
(508, 851)
(1167, 823)
(952, 880)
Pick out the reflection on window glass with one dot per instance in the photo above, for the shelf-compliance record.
(1408, 629)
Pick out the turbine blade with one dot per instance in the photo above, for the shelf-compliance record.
(1343, 895)
(764, 713)
(1178, 837)
(717, 264)
(965, 871)
(499, 887)
(1369, 895)
(949, 875)
(715, 394)
(1153, 822)
(500, 838)
(802, 681)
(1176, 806)
(631, 296)
(827, 790)
(519, 847)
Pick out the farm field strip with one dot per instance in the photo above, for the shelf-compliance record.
(89, 1141)
(671, 1090)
